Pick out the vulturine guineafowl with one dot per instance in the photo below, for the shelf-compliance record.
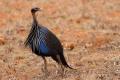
(44, 43)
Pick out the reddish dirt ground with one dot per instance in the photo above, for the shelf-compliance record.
(88, 29)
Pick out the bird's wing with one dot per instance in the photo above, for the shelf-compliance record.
(53, 42)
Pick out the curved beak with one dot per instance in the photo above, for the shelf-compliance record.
(39, 9)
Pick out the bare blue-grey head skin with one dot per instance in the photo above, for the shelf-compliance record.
(44, 43)
(33, 10)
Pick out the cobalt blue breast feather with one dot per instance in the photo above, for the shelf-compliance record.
(43, 47)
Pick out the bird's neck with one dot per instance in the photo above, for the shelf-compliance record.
(34, 18)
(35, 23)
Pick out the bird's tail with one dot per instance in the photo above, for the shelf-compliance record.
(62, 58)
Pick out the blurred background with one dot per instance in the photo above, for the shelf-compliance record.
(88, 29)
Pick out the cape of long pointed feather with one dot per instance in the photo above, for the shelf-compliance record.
(42, 40)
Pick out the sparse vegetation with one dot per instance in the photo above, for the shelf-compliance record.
(88, 29)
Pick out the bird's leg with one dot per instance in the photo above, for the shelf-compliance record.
(45, 67)
(61, 66)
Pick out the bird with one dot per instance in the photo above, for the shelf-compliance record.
(44, 43)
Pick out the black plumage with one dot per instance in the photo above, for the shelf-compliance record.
(44, 43)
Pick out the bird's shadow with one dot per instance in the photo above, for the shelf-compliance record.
(55, 75)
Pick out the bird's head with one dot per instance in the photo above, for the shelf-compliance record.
(33, 10)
